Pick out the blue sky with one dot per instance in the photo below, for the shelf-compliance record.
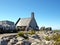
(47, 12)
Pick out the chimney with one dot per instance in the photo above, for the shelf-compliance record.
(32, 15)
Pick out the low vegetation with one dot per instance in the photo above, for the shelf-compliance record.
(21, 34)
(55, 37)
(47, 38)
(31, 32)
(56, 31)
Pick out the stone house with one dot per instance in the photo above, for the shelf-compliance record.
(7, 25)
(27, 23)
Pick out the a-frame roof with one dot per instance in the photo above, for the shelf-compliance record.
(23, 22)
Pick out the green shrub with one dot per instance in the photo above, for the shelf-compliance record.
(47, 38)
(57, 43)
(17, 36)
(56, 31)
(31, 32)
(20, 33)
(56, 37)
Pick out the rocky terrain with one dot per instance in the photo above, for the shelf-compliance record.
(38, 38)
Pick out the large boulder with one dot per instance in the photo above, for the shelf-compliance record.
(6, 38)
(34, 40)
(35, 36)
(20, 38)
(35, 43)
(3, 42)
(24, 42)
(13, 41)
(19, 43)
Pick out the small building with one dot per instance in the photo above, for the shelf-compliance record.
(27, 23)
(42, 28)
(49, 28)
(45, 29)
(7, 25)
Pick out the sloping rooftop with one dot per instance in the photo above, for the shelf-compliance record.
(6, 23)
(24, 22)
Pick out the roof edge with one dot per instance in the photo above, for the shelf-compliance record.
(17, 21)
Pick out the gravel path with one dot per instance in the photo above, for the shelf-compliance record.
(7, 34)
